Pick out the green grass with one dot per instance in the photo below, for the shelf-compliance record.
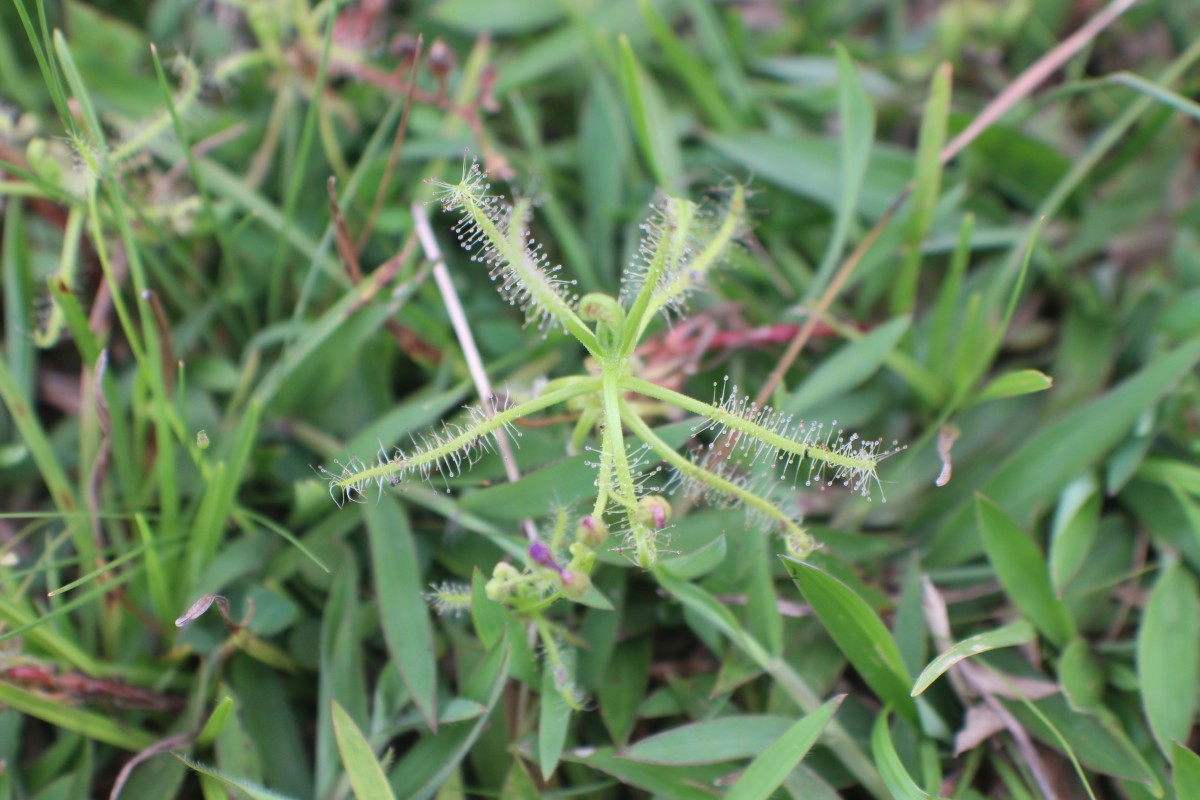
(194, 341)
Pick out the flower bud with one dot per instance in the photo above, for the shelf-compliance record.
(500, 587)
(575, 584)
(591, 531)
(441, 59)
(654, 510)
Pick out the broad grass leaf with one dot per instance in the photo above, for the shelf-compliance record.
(771, 768)
(852, 364)
(1097, 744)
(710, 741)
(1187, 771)
(1073, 531)
(678, 783)
(403, 611)
(430, 761)
(898, 781)
(366, 776)
(1168, 655)
(1023, 572)
(807, 165)
(697, 563)
(1056, 453)
(624, 686)
(1010, 635)
(272, 725)
(1081, 677)
(859, 634)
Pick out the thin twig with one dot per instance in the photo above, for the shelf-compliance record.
(462, 329)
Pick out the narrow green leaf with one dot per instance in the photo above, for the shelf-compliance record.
(1168, 655)
(1092, 741)
(216, 722)
(554, 718)
(651, 120)
(101, 727)
(518, 784)
(808, 166)
(1010, 635)
(852, 364)
(771, 768)
(677, 783)
(856, 118)
(690, 69)
(402, 608)
(1159, 92)
(366, 776)
(623, 687)
(1061, 451)
(246, 787)
(927, 184)
(428, 763)
(1081, 677)
(1073, 531)
(858, 633)
(710, 741)
(901, 784)
(949, 301)
(1022, 571)
(1014, 384)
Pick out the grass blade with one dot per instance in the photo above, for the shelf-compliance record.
(858, 633)
(1168, 656)
(769, 770)
(366, 776)
(1010, 635)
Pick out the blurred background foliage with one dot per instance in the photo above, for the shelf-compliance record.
(185, 338)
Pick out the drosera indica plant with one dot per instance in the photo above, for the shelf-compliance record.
(682, 243)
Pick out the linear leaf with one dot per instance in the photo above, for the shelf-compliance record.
(402, 608)
(366, 776)
(1010, 635)
(858, 633)
(1023, 572)
(901, 784)
(1168, 656)
(771, 768)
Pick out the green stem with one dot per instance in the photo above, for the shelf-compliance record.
(626, 491)
(698, 473)
(862, 463)
(446, 449)
(676, 221)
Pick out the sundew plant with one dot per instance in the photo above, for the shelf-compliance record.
(682, 243)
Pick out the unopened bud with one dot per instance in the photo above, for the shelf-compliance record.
(441, 59)
(539, 553)
(591, 531)
(654, 510)
(500, 587)
(575, 584)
